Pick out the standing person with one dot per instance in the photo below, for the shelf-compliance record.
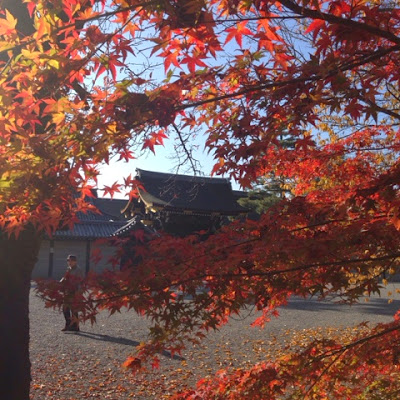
(72, 281)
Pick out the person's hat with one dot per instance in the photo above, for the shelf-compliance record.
(71, 257)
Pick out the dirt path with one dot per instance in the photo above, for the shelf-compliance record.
(87, 365)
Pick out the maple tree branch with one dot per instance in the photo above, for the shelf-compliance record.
(377, 275)
(188, 155)
(305, 79)
(358, 342)
(203, 276)
(390, 88)
(332, 221)
(326, 369)
(107, 14)
(8, 63)
(273, 273)
(269, 273)
(338, 353)
(96, 17)
(391, 113)
(306, 267)
(241, 19)
(333, 19)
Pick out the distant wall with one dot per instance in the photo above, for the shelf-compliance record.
(55, 253)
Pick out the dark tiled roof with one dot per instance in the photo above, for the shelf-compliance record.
(132, 225)
(109, 210)
(191, 193)
(95, 225)
(111, 207)
(90, 230)
(239, 194)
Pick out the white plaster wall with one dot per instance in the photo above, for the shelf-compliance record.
(62, 248)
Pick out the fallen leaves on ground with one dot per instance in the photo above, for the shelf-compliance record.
(79, 376)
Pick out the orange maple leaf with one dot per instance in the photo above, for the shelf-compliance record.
(7, 25)
(132, 363)
(238, 32)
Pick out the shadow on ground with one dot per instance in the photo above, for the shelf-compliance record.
(119, 340)
(107, 338)
(373, 306)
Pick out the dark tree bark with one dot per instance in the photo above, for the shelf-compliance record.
(17, 259)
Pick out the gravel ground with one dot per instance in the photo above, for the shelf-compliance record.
(75, 366)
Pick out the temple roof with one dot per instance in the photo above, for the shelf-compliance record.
(131, 225)
(95, 225)
(184, 193)
(90, 230)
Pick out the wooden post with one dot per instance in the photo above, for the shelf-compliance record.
(87, 265)
(51, 259)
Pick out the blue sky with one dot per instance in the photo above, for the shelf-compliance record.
(162, 161)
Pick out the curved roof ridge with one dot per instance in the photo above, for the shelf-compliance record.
(189, 178)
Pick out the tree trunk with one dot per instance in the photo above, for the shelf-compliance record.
(17, 259)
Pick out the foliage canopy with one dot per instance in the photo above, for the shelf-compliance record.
(77, 88)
